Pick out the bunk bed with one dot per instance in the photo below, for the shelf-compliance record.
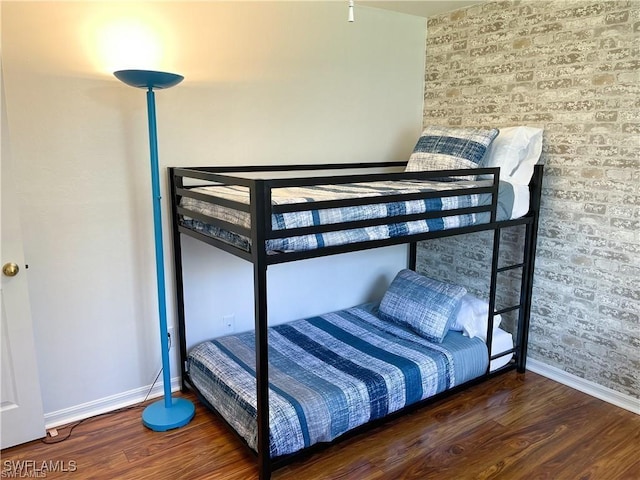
(276, 214)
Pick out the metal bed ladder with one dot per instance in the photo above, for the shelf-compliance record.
(526, 286)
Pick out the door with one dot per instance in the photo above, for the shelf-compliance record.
(21, 413)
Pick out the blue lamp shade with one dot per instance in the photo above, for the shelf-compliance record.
(148, 78)
(172, 412)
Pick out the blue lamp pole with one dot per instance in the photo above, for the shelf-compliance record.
(171, 412)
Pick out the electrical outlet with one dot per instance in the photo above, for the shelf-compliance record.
(229, 323)
(172, 338)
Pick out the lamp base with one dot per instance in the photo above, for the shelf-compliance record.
(159, 418)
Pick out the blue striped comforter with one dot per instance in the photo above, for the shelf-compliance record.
(308, 218)
(329, 374)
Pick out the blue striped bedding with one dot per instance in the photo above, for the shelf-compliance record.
(307, 218)
(329, 374)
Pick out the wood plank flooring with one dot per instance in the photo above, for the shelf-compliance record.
(511, 427)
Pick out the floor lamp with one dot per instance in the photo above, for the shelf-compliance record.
(170, 412)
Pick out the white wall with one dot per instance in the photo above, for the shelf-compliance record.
(266, 82)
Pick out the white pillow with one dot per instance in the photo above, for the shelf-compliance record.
(515, 150)
(473, 317)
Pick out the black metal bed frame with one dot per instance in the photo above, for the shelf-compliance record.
(261, 180)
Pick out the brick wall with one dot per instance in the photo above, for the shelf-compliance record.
(570, 67)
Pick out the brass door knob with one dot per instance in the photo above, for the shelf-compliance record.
(10, 269)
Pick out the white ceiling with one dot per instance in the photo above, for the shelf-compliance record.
(425, 8)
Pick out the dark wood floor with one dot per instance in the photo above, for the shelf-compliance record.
(511, 427)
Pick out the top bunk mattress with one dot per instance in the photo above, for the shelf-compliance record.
(511, 201)
(329, 374)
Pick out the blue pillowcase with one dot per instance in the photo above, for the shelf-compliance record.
(445, 148)
(423, 304)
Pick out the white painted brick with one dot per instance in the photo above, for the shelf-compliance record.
(569, 66)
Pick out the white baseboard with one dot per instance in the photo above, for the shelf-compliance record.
(107, 404)
(114, 402)
(590, 388)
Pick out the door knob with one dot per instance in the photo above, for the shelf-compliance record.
(10, 269)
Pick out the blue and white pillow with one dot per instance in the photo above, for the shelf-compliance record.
(449, 148)
(422, 304)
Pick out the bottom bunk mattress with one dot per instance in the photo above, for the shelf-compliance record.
(329, 374)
